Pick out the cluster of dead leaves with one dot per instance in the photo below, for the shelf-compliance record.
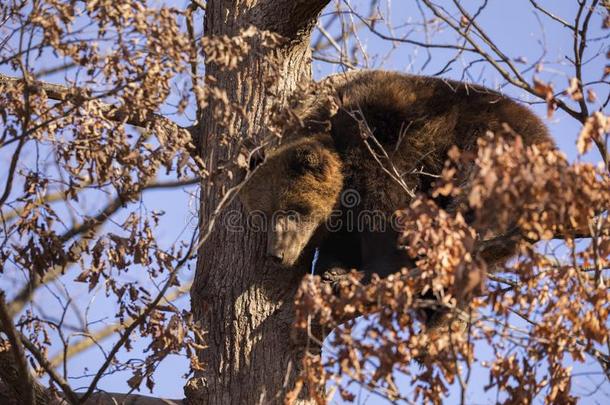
(552, 309)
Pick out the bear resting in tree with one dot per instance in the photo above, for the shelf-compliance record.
(384, 125)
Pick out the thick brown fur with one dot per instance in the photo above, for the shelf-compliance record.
(415, 121)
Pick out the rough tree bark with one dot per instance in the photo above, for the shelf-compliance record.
(241, 298)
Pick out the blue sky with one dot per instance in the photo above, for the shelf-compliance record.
(518, 31)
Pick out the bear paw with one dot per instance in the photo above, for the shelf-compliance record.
(334, 276)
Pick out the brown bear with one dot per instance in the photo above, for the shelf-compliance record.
(386, 139)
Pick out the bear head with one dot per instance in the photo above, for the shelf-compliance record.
(294, 192)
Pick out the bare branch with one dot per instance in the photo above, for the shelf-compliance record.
(410, 41)
(40, 358)
(129, 329)
(551, 15)
(114, 206)
(602, 358)
(11, 171)
(55, 69)
(75, 95)
(110, 398)
(98, 336)
(199, 4)
(291, 18)
(61, 195)
(580, 43)
(190, 28)
(93, 222)
(517, 81)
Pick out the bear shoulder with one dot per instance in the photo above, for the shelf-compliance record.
(391, 102)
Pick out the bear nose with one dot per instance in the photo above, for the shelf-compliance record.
(276, 256)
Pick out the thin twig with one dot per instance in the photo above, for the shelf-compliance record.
(59, 380)
(95, 337)
(551, 15)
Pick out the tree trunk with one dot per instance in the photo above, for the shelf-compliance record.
(240, 298)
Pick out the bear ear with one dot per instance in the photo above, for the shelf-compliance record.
(345, 130)
(307, 158)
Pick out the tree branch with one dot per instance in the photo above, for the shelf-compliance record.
(10, 382)
(602, 358)
(74, 95)
(551, 15)
(406, 40)
(26, 293)
(96, 337)
(26, 389)
(290, 18)
(40, 358)
(113, 207)
(61, 195)
(11, 171)
(143, 316)
(516, 80)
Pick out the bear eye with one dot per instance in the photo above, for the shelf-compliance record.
(300, 208)
(307, 159)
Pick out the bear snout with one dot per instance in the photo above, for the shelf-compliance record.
(287, 239)
(281, 247)
(276, 255)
